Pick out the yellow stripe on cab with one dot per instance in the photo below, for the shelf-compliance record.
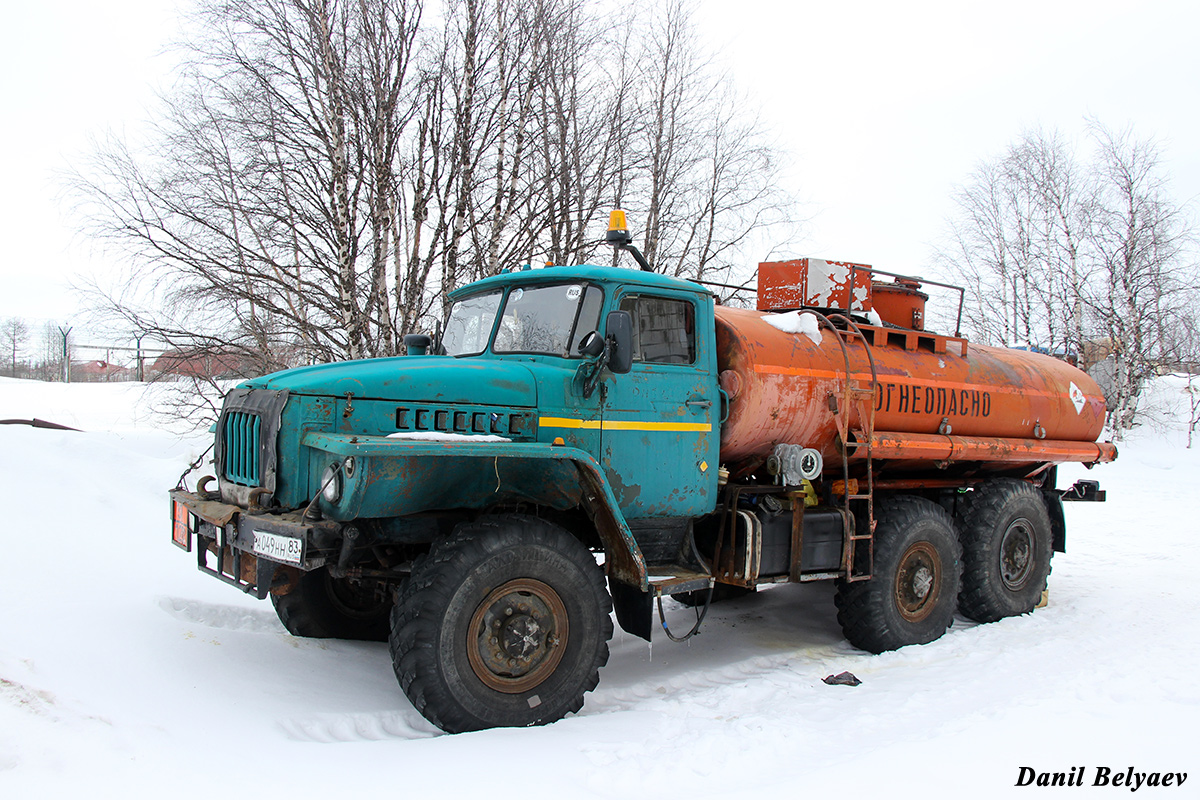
(621, 425)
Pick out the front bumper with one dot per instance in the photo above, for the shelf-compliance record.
(246, 550)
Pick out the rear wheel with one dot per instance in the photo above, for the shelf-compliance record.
(1006, 538)
(320, 606)
(504, 623)
(911, 598)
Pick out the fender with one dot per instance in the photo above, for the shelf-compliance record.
(390, 477)
(1058, 520)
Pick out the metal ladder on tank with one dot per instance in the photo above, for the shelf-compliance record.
(855, 394)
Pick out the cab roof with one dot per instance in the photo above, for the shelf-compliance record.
(581, 272)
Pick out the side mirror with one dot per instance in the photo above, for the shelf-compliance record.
(620, 334)
(592, 344)
(417, 344)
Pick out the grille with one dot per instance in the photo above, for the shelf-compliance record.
(469, 421)
(242, 447)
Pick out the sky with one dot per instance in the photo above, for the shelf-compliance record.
(887, 107)
(70, 70)
(880, 108)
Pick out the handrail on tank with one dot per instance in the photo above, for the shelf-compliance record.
(734, 287)
(854, 268)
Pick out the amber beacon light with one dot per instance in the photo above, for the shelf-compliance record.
(619, 237)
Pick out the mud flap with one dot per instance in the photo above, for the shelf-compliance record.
(264, 578)
(634, 608)
(1058, 522)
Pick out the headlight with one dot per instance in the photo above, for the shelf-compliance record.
(331, 483)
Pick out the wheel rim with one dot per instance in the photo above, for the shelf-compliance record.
(517, 636)
(918, 581)
(1016, 554)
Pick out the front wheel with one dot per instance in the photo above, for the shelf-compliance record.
(505, 623)
(323, 607)
(911, 597)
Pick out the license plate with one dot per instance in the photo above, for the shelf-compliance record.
(279, 548)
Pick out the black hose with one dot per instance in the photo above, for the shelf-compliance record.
(701, 613)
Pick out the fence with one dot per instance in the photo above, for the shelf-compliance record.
(97, 363)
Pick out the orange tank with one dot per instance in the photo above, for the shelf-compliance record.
(935, 400)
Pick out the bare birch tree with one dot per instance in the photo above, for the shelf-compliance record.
(1016, 239)
(1140, 239)
(14, 334)
(265, 207)
(1064, 256)
(325, 171)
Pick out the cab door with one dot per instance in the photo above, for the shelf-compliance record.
(660, 422)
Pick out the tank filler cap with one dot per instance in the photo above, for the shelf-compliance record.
(731, 382)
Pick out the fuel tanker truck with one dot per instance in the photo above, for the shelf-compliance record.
(583, 440)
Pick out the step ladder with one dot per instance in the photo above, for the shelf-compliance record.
(857, 395)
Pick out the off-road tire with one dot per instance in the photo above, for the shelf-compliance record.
(912, 596)
(1007, 545)
(488, 575)
(323, 607)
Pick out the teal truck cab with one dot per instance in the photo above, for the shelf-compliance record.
(476, 485)
(568, 448)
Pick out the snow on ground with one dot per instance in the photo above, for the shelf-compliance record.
(123, 670)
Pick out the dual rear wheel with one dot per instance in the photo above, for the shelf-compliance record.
(917, 571)
(1007, 546)
(989, 562)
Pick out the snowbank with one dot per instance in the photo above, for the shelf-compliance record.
(124, 671)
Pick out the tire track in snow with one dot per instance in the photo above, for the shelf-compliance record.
(801, 666)
(230, 618)
(363, 727)
(322, 728)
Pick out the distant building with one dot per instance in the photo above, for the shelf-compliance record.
(202, 364)
(1096, 351)
(100, 371)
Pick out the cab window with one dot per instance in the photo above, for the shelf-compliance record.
(470, 324)
(664, 329)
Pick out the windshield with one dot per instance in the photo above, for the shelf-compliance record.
(548, 319)
(539, 319)
(470, 324)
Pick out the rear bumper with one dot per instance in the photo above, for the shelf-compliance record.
(245, 550)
